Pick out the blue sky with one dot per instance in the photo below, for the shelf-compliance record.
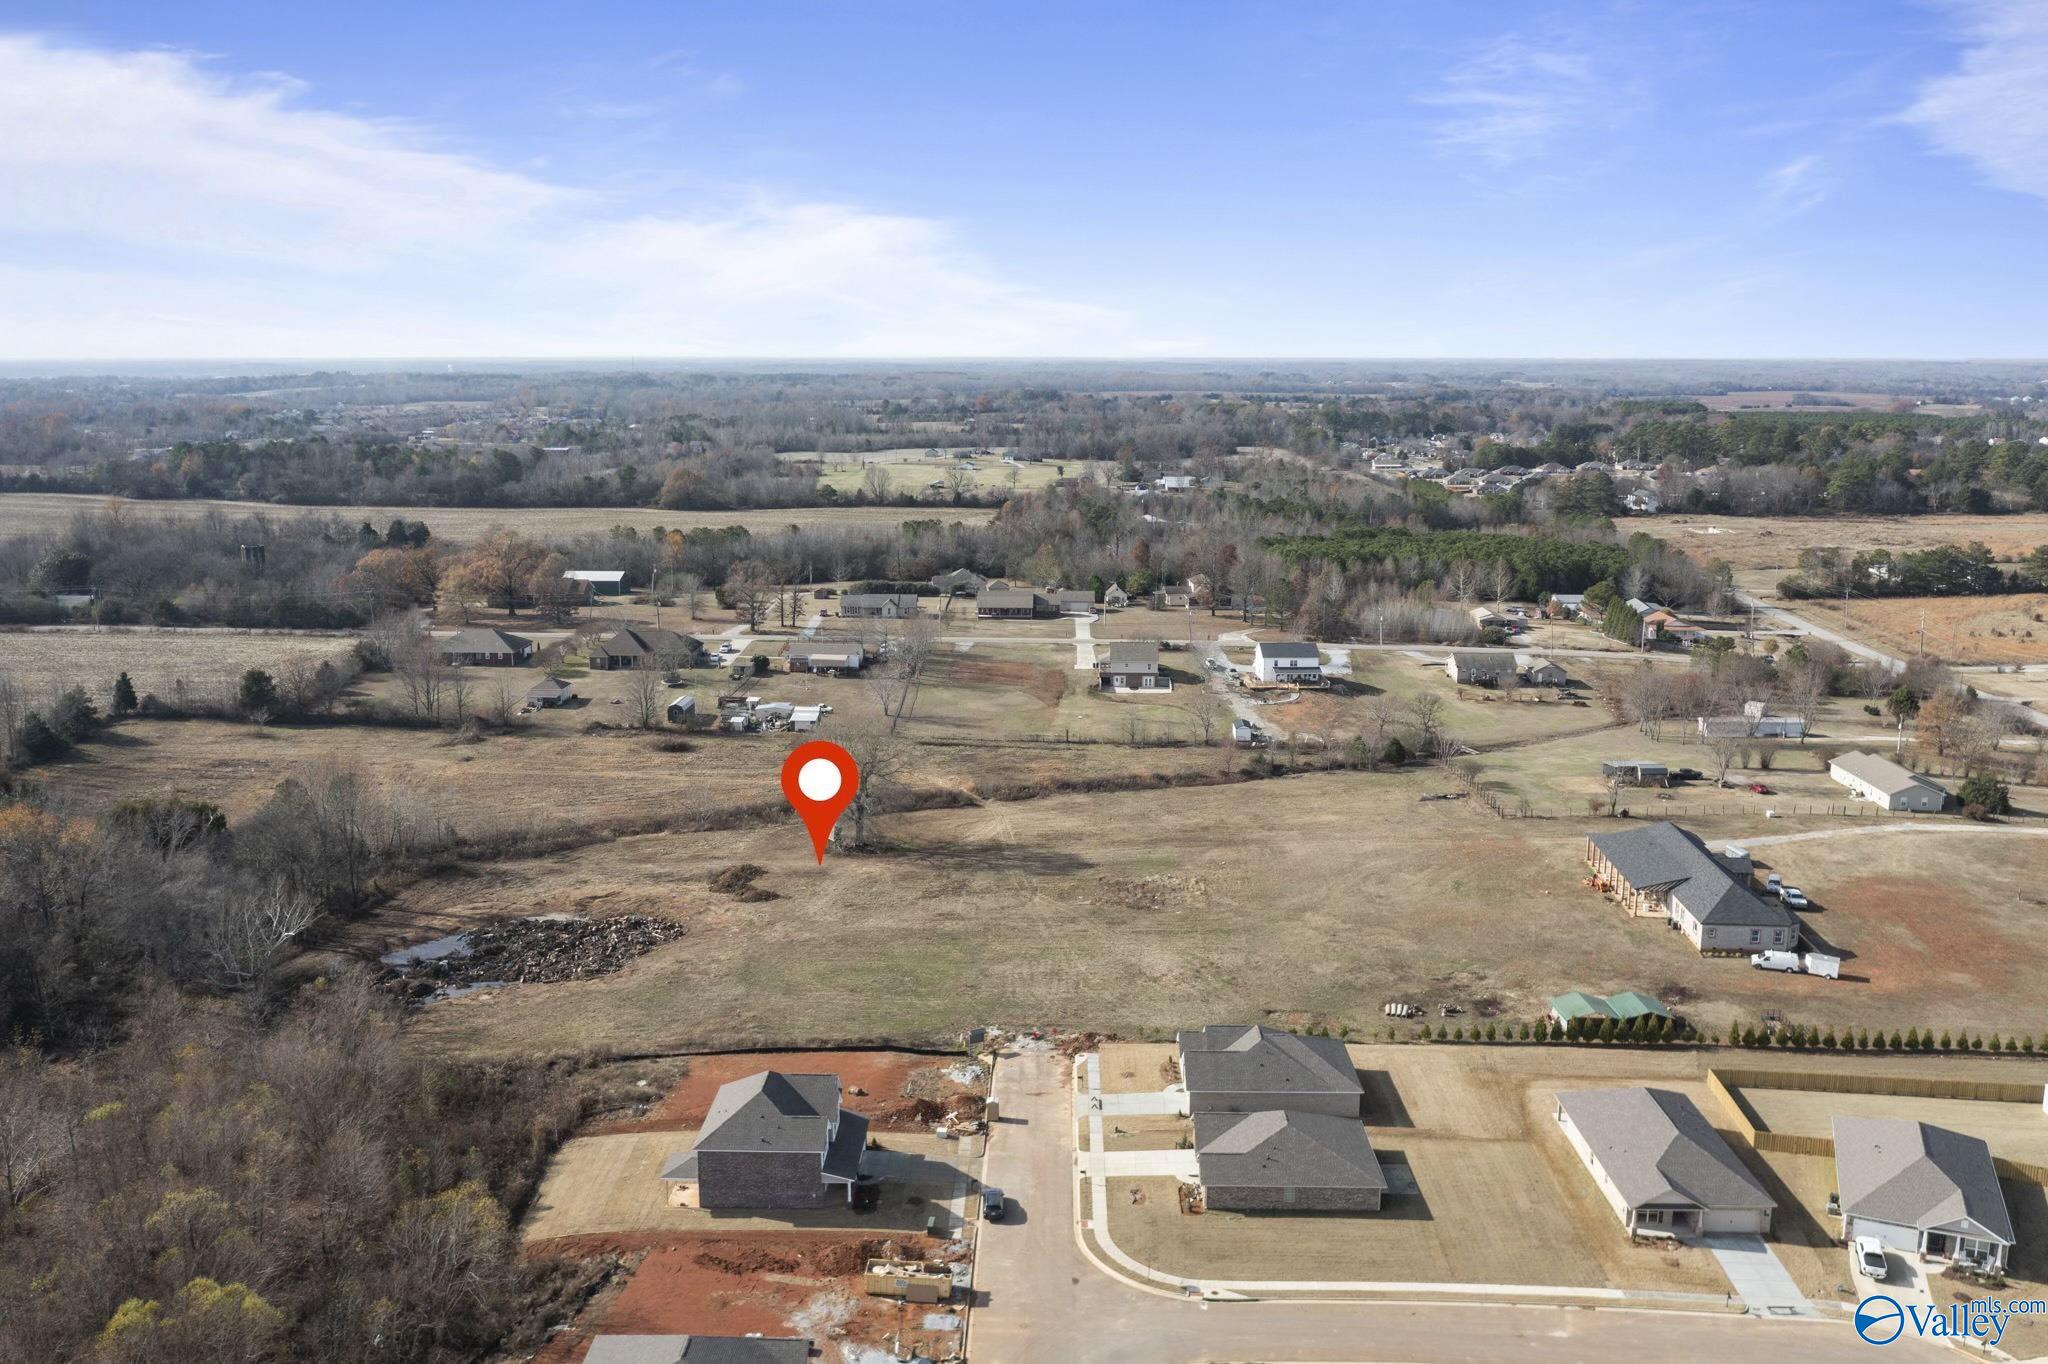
(819, 180)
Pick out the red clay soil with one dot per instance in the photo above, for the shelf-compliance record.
(883, 1074)
(1924, 926)
(729, 1285)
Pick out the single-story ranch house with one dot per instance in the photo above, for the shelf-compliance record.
(1921, 1189)
(1010, 603)
(1662, 869)
(1539, 671)
(835, 656)
(644, 647)
(1287, 1160)
(1228, 1068)
(1660, 1165)
(771, 1141)
(480, 647)
(1480, 667)
(880, 605)
(1889, 785)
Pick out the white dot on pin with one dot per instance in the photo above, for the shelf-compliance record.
(819, 779)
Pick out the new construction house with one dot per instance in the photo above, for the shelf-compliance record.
(1277, 1122)
(771, 1140)
(1921, 1189)
(1660, 869)
(1660, 1164)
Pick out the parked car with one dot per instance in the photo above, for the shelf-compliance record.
(1871, 1259)
(1757, 788)
(1774, 883)
(1775, 961)
(1793, 897)
(991, 1203)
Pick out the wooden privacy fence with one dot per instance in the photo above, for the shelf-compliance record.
(1724, 1082)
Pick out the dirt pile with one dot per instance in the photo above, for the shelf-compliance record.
(535, 951)
(738, 881)
(750, 1261)
(847, 1257)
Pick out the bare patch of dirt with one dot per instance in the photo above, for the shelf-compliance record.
(1045, 685)
(900, 1091)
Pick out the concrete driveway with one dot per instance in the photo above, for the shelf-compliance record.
(1765, 1286)
(1144, 1164)
(1040, 1298)
(1148, 1103)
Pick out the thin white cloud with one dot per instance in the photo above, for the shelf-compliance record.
(1993, 108)
(1796, 185)
(149, 206)
(1516, 96)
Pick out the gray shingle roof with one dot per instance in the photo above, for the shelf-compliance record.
(1234, 1059)
(904, 601)
(1007, 599)
(645, 640)
(1481, 662)
(842, 1157)
(1285, 1148)
(1914, 1174)
(698, 1350)
(770, 1111)
(1129, 653)
(1658, 1150)
(1662, 854)
(479, 639)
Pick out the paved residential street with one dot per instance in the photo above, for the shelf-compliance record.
(1042, 1300)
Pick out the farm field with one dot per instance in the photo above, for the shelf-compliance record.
(1757, 542)
(205, 663)
(1111, 911)
(43, 512)
(910, 470)
(2012, 629)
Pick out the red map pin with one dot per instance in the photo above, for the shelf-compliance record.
(820, 778)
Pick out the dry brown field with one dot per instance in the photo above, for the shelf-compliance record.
(2010, 629)
(204, 662)
(1756, 542)
(28, 513)
(1780, 399)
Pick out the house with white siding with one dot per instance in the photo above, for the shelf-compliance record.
(1921, 1189)
(1292, 664)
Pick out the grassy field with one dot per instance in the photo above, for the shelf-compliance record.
(1758, 542)
(910, 470)
(2010, 629)
(204, 662)
(1111, 912)
(46, 512)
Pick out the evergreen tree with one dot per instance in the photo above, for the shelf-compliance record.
(124, 695)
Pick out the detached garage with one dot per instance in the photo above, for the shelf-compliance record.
(1660, 1164)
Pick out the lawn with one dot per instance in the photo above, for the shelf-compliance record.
(910, 470)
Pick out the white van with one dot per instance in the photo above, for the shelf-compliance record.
(1775, 961)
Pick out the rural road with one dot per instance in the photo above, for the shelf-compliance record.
(1864, 651)
(1045, 1300)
